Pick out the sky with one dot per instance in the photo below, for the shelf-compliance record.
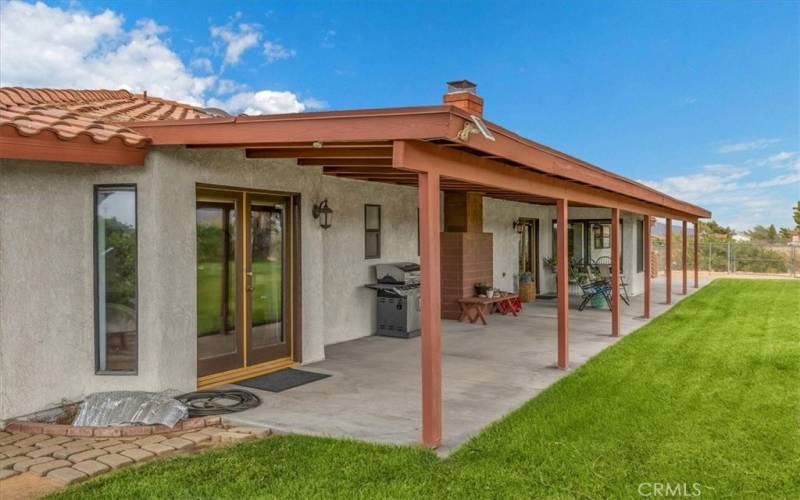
(700, 99)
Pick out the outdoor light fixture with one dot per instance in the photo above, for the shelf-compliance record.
(519, 226)
(324, 213)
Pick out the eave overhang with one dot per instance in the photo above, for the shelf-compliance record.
(297, 135)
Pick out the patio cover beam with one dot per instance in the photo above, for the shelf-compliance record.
(647, 236)
(615, 241)
(420, 156)
(562, 282)
(696, 255)
(668, 262)
(684, 258)
(431, 297)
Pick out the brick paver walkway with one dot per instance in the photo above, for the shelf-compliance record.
(66, 460)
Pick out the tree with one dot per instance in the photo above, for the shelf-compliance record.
(712, 230)
(764, 234)
(796, 211)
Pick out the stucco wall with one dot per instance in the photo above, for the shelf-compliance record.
(46, 264)
(349, 307)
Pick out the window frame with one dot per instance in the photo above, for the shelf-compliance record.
(96, 296)
(368, 231)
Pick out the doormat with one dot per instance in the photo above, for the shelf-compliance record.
(547, 296)
(282, 380)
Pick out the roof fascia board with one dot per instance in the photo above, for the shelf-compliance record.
(424, 157)
(531, 154)
(46, 146)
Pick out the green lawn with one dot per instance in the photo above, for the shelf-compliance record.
(708, 393)
(266, 295)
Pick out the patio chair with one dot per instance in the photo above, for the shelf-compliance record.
(592, 289)
(605, 274)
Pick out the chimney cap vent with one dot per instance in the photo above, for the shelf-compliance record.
(461, 86)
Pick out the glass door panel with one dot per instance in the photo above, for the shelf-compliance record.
(266, 279)
(218, 338)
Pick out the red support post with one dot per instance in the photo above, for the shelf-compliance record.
(562, 279)
(429, 224)
(696, 254)
(685, 257)
(646, 234)
(615, 241)
(668, 264)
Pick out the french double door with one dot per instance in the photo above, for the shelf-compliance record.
(244, 271)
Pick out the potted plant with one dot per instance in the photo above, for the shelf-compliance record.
(551, 263)
(527, 287)
(482, 289)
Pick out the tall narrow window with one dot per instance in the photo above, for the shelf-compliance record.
(372, 231)
(115, 279)
(640, 246)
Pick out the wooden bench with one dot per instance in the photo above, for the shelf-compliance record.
(473, 308)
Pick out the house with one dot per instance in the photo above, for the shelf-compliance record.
(146, 244)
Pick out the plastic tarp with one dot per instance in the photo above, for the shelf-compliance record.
(118, 408)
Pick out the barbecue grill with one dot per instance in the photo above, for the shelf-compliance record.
(398, 299)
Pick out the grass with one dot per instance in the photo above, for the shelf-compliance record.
(267, 288)
(708, 393)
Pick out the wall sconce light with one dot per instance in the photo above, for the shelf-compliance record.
(519, 226)
(324, 213)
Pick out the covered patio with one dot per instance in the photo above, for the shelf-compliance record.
(488, 371)
(439, 149)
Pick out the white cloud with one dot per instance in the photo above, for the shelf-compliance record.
(237, 39)
(274, 51)
(202, 64)
(265, 102)
(746, 146)
(46, 46)
(328, 39)
(225, 86)
(782, 157)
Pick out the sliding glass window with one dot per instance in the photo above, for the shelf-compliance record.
(115, 254)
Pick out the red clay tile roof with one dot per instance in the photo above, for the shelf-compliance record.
(105, 105)
(99, 116)
(66, 125)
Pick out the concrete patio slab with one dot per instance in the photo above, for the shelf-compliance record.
(488, 371)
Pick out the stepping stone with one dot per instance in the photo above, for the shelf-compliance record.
(13, 438)
(211, 431)
(106, 443)
(4, 448)
(114, 460)
(42, 469)
(6, 473)
(8, 463)
(149, 440)
(86, 455)
(91, 467)
(19, 450)
(33, 440)
(158, 449)
(66, 475)
(177, 443)
(230, 436)
(136, 454)
(4, 434)
(120, 447)
(58, 440)
(30, 462)
(72, 450)
(42, 452)
(196, 437)
(255, 431)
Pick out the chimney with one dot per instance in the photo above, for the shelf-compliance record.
(461, 94)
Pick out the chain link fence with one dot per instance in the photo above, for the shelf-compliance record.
(733, 257)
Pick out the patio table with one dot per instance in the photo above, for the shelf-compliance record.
(473, 308)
